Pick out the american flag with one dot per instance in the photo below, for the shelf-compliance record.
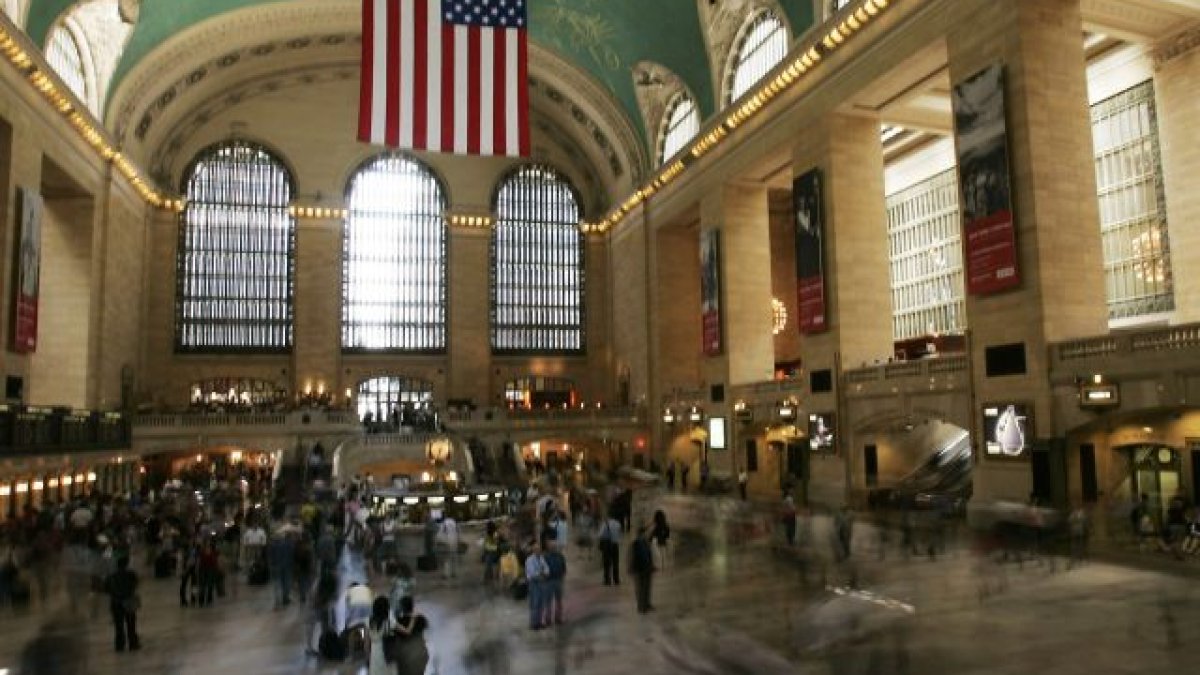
(445, 76)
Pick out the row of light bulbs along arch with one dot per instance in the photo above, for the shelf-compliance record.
(851, 19)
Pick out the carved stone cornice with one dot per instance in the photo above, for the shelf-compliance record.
(1177, 45)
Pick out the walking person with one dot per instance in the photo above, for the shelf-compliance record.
(447, 540)
(379, 628)
(536, 574)
(124, 603)
(609, 538)
(787, 517)
(556, 564)
(660, 535)
(281, 556)
(683, 477)
(491, 555)
(641, 564)
(208, 568)
(410, 628)
(743, 482)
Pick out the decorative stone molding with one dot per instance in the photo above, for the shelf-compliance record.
(1175, 46)
(656, 86)
(129, 9)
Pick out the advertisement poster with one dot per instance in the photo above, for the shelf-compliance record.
(981, 137)
(710, 290)
(1006, 431)
(821, 433)
(29, 258)
(810, 252)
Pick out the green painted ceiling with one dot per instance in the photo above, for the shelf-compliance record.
(604, 37)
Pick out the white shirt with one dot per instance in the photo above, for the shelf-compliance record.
(449, 532)
(255, 536)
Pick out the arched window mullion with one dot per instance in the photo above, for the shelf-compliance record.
(764, 42)
(394, 283)
(236, 255)
(537, 268)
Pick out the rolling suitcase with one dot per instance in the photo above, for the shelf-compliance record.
(427, 563)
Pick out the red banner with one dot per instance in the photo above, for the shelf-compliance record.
(29, 256)
(710, 291)
(991, 245)
(812, 305)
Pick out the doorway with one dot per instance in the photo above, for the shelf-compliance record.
(1157, 473)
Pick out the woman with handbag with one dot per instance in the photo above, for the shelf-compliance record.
(412, 655)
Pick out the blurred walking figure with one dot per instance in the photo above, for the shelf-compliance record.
(609, 537)
(536, 574)
(552, 605)
(641, 565)
(660, 536)
(1077, 524)
(787, 517)
(124, 603)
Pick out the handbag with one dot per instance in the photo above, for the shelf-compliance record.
(132, 604)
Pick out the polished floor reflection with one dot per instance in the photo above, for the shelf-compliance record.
(730, 601)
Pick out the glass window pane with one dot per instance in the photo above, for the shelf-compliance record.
(1133, 220)
(236, 249)
(394, 246)
(926, 259)
(682, 124)
(763, 44)
(537, 264)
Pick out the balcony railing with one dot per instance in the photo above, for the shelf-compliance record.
(1156, 340)
(908, 369)
(200, 420)
(35, 430)
(532, 418)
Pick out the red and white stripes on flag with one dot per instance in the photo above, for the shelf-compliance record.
(445, 76)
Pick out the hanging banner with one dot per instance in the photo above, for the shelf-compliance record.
(981, 138)
(710, 290)
(810, 253)
(29, 258)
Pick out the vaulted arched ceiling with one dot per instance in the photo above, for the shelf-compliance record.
(604, 38)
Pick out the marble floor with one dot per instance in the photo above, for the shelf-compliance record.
(729, 602)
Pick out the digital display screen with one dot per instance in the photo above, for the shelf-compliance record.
(716, 433)
(821, 432)
(1007, 430)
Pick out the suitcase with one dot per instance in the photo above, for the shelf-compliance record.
(520, 590)
(258, 575)
(164, 565)
(427, 563)
(331, 646)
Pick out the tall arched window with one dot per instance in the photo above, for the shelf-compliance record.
(762, 44)
(237, 241)
(394, 272)
(537, 264)
(64, 54)
(680, 126)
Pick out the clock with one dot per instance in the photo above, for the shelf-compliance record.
(1166, 455)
